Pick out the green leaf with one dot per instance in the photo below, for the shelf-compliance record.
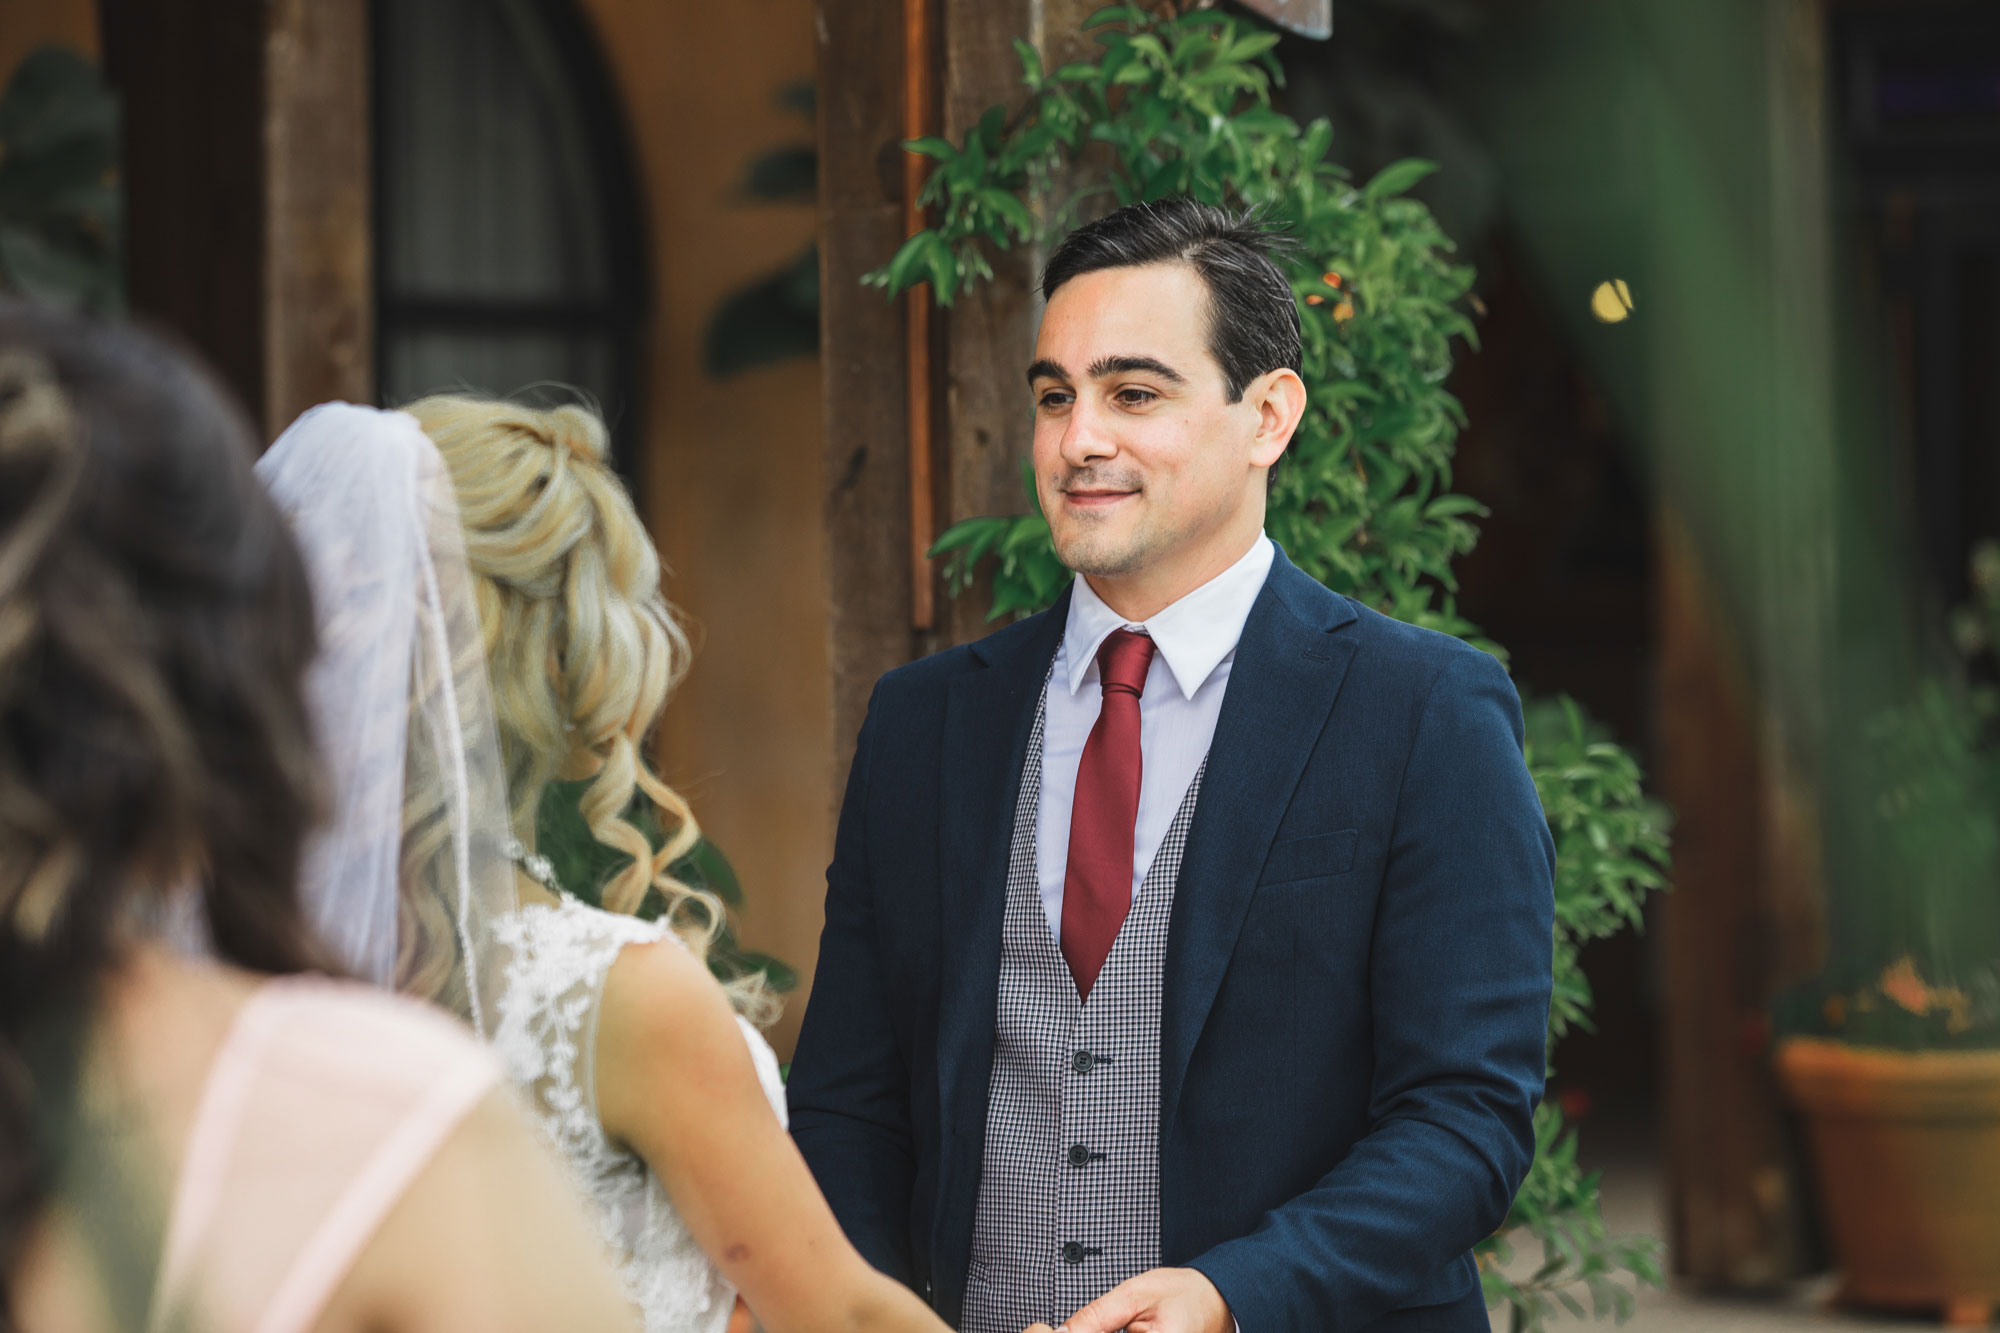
(962, 533)
(779, 975)
(1251, 45)
(904, 269)
(931, 146)
(1397, 177)
(991, 125)
(1318, 138)
(1031, 64)
(1012, 209)
(1449, 506)
(942, 267)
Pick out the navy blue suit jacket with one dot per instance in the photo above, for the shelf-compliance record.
(1357, 975)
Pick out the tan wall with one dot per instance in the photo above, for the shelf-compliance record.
(732, 468)
(27, 24)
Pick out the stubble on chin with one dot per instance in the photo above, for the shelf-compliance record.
(1086, 547)
(1100, 544)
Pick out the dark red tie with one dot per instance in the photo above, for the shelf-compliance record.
(1097, 885)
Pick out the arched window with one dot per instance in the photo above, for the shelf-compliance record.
(509, 247)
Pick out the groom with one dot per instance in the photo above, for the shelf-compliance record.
(1187, 944)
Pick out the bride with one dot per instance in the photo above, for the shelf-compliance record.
(493, 622)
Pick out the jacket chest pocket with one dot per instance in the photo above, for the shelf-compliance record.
(1318, 856)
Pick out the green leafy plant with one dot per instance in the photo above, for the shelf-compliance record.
(1611, 848)
(61, 208)
(583, 865)
(1611, 842)
(774, 317)
(1362, 501)
(1915, 885)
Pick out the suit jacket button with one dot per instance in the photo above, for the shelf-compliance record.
(1082, 1062)
(1079, 1155)
(1072, 1252)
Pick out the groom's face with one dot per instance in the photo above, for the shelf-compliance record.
(1140, 459)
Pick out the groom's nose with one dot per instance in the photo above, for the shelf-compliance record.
(1088, 435)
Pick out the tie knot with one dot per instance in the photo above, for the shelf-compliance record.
(1122, 661)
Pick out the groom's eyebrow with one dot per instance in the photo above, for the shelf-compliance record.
(1106, 366)
(1125, 365)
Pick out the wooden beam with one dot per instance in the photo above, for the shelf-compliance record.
(1733, 1203)
(319, 324)
(1746, 609)
(919, 119)
(990, 339)
(246, 183)
(981, 432)
(190, 77)
(864, 370)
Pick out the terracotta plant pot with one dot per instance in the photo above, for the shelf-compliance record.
(1907, 1148)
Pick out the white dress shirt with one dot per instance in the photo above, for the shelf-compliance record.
(1195, 643)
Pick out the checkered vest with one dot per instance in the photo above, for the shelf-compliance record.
(1069, 1191)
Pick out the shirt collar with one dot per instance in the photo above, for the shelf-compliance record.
(1194, 634)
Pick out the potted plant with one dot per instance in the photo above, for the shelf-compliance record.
(1894, 1057)
(1182, 105)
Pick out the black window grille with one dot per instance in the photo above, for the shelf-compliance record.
(509, 252)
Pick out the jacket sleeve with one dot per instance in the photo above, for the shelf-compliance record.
(1459, 987)
(848, 1092)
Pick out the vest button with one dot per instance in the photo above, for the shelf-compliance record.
(1072, 1252)
(1083, 1062)
(1079, 1155)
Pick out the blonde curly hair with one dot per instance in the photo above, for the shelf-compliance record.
(581, 645)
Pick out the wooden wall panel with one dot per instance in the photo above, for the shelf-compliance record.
(866, 451)
(1733, 1201)
(246, 184)
(191, 77)
(319, 321)
(990, 335)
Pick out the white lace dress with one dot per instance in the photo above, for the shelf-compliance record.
(547, 1038)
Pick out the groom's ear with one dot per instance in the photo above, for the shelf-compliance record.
(1279, 397)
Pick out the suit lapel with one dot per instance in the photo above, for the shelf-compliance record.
(1288, 668)
(988, 716)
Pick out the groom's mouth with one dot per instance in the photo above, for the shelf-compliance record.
(1097, 498)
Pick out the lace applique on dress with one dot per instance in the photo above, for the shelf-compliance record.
(547, 1038)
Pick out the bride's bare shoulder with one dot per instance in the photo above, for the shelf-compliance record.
(666, 1029)
(660, 991)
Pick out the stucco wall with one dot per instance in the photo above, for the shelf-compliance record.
(27, 24)
(732, 468)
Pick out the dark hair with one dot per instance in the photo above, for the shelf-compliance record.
(1253, 320)
(155, 627)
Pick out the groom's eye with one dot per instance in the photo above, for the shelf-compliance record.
(1054, 398)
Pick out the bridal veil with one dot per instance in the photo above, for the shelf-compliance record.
(408, 874)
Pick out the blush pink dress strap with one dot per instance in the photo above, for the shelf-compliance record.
(326, 1100)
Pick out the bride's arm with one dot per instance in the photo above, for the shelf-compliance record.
(675, 1083)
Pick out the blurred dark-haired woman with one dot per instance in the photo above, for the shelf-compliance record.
(208, 1137)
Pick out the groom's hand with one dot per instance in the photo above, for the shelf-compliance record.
(1165, 1300)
